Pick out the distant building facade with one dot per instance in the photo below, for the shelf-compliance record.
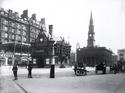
(114, 58)
(72, 58)
(121, 55)
(93, 55)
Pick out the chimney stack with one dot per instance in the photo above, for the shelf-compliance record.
(51, 30)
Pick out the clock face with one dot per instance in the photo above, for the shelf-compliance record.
(90, 35)
(41, 39)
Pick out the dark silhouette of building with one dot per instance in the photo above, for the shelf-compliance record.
(41, 50)
(93, 55)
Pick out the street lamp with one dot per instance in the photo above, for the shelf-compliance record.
(77, 47)
(13, 59)
(52, 61)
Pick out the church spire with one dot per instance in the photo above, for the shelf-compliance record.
(91, 19)
(91, 33)
(91, 15)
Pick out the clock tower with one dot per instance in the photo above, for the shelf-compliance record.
(90, 42)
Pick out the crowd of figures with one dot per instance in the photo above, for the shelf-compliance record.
(15, 70)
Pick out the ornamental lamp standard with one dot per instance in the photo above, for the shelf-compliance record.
(52, 60)
(13, 57)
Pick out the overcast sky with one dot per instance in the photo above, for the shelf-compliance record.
(71, 19)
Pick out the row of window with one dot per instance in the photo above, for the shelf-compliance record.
(12, 30)
(15, 31)
(32, 35)
(15, 16)
(13, 24)
(6, 40)
(12, 36)
(34, 32)
(16, 25)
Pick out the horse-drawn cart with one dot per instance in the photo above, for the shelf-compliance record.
(100, 67)
(80, 71)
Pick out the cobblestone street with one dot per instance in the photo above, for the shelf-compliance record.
(65, 81)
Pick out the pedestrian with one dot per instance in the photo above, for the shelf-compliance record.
(115, 69)
(15, 69)
(29, 70)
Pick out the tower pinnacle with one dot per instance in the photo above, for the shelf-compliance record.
(91, 19)
(91, 15)
(91, 33)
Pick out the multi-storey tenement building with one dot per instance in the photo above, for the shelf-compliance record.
(16, 32)
(18, 29)
(23, 39)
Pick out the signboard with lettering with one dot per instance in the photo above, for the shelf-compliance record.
(6, 54)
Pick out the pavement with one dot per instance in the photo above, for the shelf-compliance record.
(87, 84)
(7, 85)
(65, 81)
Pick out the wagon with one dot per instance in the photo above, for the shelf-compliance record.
(100, 67)
(114, 68)
(80, 71)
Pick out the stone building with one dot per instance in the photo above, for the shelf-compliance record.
(42, 50)
(16, 33)
(121, 55)
(24, 39)
(93, 55)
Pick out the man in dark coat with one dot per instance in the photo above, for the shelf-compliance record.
(15, 69)
(29, 70)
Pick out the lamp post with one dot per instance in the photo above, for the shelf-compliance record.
(77, 47)
(13, 59)
(52, 60)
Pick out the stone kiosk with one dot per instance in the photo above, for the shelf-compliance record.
(41, 50)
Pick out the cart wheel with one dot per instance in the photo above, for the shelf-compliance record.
(77, 72)
(83, 73)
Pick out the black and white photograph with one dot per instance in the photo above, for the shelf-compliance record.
(62, 46)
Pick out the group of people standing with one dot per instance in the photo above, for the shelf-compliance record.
(15, 70)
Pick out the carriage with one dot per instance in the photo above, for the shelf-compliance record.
(100, 67)
(80, 70)
(114, 68)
